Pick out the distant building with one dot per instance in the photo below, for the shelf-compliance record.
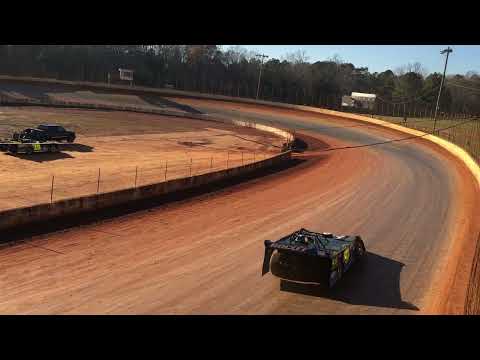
(121, 77)
(365, 101)
(347, 101)
(359, 100)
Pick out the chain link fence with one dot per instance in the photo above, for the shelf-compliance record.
(40, 189)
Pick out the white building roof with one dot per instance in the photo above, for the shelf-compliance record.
(363, 96)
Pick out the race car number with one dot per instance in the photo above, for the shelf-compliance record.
(37, 147)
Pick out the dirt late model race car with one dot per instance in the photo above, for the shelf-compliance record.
(310, 257)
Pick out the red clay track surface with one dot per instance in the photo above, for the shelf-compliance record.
(204, 255)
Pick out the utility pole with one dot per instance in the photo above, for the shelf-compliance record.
(446, 51)
(260, 73)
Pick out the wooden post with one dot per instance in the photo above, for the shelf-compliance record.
(242, 157)
(228, 158)
(136, 175)
(98, 182)
(166, 167)
(51, 191)
(190, 166)
(211, 163)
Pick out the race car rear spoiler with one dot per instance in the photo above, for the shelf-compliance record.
(268, 254)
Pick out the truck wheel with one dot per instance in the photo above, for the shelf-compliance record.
(29, 151)
(70, 139)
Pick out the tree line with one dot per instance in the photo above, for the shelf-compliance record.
(234, 71)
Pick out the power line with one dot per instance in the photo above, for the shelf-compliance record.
(409, 101)
(449, 82)
(465, 79)
(400, 139)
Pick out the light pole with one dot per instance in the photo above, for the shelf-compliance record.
(446, 51)
(260, 73)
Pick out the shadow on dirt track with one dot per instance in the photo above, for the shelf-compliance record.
(373, 283)
(43, 157)
(162, 102)
(79, 148)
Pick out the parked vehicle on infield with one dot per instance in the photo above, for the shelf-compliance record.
(30, 135)
(29, 141)
(17, 147)
(57, 133)
(311, 257)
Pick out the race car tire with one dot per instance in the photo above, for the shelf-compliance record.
(276, 269)
(360, 251)
(340, 269)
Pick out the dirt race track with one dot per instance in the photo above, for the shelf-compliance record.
(408, 200)
(124, 146)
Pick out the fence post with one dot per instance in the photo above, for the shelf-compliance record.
(228, 157)
(242, 157)
(211, 163)
(166, 167)
(136, 175)
(98, 182)
(190, 166)
(51, 191)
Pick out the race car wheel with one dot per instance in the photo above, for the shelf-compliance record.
(360, 251)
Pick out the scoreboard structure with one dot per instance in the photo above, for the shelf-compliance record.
(126, 75)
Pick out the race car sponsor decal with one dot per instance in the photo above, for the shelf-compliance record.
(346, 255)
(288, 247)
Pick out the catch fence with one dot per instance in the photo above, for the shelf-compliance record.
(43, 188)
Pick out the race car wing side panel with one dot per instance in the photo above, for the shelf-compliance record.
(266, 259)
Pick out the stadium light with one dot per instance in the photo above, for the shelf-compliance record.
(446, 51)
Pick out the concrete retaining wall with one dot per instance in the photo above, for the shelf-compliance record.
(15, 218)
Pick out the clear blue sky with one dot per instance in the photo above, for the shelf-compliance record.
(379, 58)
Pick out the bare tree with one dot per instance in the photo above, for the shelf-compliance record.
(415, 67)
(336, 59)
(296, 57)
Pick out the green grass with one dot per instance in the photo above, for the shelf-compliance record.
(461, 131)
